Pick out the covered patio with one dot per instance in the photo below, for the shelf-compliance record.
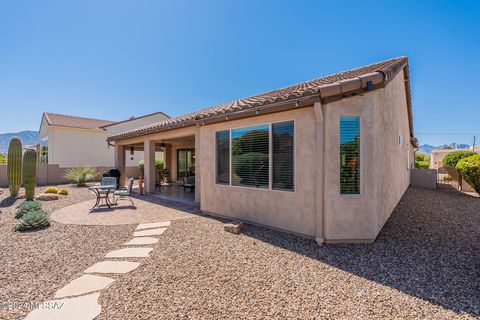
(180, 150)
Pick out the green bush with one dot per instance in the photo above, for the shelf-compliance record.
(80, 175)
(3, 159)
(252, 168)
(33, 220)
(158, 164)
(422, 157)
(469, 169)
(53, 190)
(422, 164)
(27, 207)
(454, 157)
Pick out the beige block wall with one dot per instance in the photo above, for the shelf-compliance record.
(292, 211)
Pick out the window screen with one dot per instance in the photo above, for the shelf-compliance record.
(250, 157)
(282, 155)
(223, 157)
(349, 155)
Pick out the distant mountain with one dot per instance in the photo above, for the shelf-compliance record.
(426, 148)
(28, 137)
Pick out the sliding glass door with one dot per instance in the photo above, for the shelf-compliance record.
(185, 163)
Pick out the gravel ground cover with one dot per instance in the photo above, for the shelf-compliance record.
(423, 265)
(36, 264)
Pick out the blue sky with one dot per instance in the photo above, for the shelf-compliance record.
(114, 59)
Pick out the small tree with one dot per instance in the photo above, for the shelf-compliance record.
(454, 157)
(469, 169)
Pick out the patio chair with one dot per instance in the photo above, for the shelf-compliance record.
(189, 183)
(107, 181)
(125, 193)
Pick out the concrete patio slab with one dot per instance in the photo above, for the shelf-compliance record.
(149, 232)
(148, 209)
(85, 284)
(113, 267)
(152, 225)
(141, 240)
(79, 308)
(129, 253)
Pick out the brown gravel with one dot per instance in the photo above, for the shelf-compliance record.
(424, 265)
(36, 264)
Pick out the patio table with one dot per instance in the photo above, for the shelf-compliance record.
(101, 195)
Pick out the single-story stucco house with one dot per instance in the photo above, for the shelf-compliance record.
(71, 141)
(327, 158)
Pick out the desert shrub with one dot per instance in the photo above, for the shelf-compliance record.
(27, 207)
(454, 157)
(3, 159)
(159, 163)
(33, 220)
(420, 156)
(51, 190)
(80, 175)
(422, 164)
(63, 192)
(469, 169)
(447, 178)
(252, 168)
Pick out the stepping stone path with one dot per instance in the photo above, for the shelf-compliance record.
(80, 297)
(150, 232)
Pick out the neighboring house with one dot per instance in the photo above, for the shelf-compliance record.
(71, 141)
(436, 160)
(328, 158)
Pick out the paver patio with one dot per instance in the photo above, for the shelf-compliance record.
(148, 209)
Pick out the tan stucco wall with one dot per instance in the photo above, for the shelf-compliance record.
(384, 164)
(293, 211)
(69, 147)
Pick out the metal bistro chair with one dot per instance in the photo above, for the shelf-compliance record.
(107, 181)
(125, 193)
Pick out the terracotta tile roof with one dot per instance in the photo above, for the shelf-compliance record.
(62, 120)
(325, 87)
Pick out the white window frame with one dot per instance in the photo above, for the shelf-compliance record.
(270, 157)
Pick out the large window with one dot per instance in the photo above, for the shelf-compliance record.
(349, 155)
(260, 156)
(250, 157)
(282, 152)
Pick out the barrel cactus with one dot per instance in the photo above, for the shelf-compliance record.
(29, 171)
(33, 220)
(14, 165)
(27, 207)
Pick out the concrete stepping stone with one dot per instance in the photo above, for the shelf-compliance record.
(129, 253)
(79, 308)
(149, 232)
(152, 225)
(141, 240)
(113, 267)
(85, 284)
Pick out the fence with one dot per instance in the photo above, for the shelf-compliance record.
(50, 174)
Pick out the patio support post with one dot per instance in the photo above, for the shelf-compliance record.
(149, 168)
(120, 163)
(167, 154)
(198, 170)
(319, 183)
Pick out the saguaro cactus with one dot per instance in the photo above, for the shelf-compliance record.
(14, 165)
(29, 171)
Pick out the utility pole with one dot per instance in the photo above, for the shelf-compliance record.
(473, 143)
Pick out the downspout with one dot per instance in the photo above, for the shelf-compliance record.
(319, 173)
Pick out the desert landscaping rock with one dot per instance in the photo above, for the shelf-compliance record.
(47, 197)
(149, 232)
(129, 253)
(152, 225)
(423, 265)
(113, 267)
(234, 227)
(34, 265)
(141, 241)
(85, 284)
(79, 308)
